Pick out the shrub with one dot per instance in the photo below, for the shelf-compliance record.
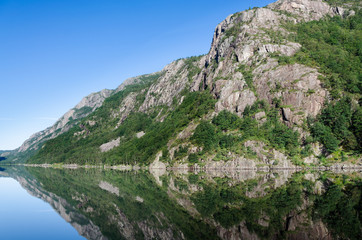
(205, 135)
(226, 120)
(324, 134)
(193, 158)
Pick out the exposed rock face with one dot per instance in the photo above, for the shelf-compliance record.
(110, 145)
(133, 80)
(157, 168)
(298, 87)
(140, 134)
(245, 39)
(235, 163)
(127, 106)
(109, 187)
(233, 97)
(94, 100)
(167, 87)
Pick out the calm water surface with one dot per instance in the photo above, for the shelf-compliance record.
(23, 216)
(44, 203)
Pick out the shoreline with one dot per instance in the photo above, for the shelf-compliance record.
(337, 166)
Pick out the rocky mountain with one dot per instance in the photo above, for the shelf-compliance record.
(271, 92)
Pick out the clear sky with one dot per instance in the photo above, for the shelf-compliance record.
(53, 53)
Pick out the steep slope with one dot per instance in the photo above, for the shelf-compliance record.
(260, 82)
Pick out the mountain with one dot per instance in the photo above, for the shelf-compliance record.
(280, 87)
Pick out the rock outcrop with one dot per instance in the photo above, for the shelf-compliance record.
(109, 145)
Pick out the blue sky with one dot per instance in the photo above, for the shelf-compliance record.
(53, 53)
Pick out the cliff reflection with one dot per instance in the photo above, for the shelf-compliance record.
(214, 205)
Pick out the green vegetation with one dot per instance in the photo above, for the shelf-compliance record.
(226, 120)
(142, 150)
(229, 131)
(340, 208)
(333, 45)
(69, 148)
(342, 2)
(338, 124)
(192, 69)
(248, 76)
(324, 135)
(205, 135)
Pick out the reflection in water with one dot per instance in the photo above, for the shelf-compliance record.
(213, 205)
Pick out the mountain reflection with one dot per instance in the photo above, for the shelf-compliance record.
(109, 204)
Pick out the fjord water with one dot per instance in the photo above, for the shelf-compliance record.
(23, 216)
(109, 204)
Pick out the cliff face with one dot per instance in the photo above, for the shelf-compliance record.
(242, 69)
(252, 45)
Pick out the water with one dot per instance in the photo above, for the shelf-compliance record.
(23, 216)
(45, 203)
